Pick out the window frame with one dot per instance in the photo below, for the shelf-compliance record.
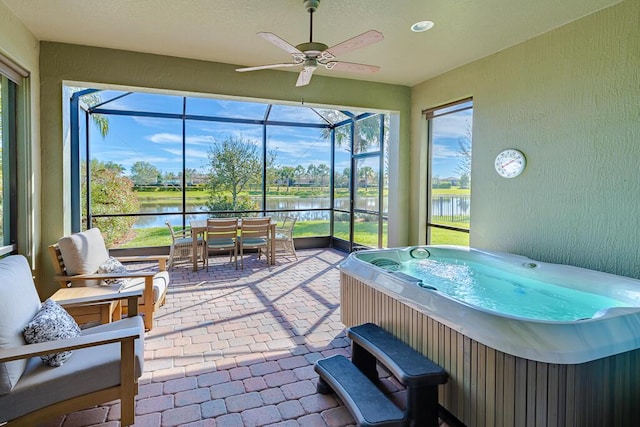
(83, 217)
(8, 115)
(430, 114)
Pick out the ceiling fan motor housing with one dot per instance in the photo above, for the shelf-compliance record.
(312, 49)
(311, 5)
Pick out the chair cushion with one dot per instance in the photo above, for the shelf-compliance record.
(249, 241)
(90, 369)
(19, 302)
(160, 284)
(186, 240)
(221, 243)
(51, 322)
(83, 252)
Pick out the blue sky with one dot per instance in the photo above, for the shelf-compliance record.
(447, 131)
(159, 140)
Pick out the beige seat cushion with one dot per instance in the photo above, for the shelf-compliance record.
(87, 370)
(19, 302)
(160, 284)
(83, 252)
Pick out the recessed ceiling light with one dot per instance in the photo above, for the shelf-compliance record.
(421, 26)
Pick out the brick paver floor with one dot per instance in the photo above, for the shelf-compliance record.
(237, 347)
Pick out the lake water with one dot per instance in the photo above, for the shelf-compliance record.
(300, 207)
(283, 204)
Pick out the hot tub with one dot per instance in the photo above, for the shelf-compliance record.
(489, 319)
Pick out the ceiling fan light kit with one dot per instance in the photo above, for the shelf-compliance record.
(313, 54)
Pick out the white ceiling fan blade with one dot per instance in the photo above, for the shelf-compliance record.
(282, 44)
(266, 67)
(305, 76)
(351, 66)
(357, 42)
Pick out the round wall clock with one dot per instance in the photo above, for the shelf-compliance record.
(510, 163)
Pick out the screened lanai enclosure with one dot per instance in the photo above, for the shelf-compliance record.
(141, 159)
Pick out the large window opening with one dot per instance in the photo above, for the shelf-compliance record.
(449, 198)
(145, 158)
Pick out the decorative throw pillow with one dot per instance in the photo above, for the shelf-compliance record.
(113, 266)
(51, 322)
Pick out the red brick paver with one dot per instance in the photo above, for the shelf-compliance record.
(237, 347)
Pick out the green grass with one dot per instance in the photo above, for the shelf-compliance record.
(440, 236)
(366, 233)
(162, 194)
(451, 191)
(200, 196)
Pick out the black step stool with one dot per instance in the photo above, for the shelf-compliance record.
(355, 381)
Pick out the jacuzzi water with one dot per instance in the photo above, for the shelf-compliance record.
(496, 290)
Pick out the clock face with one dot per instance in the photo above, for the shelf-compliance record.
(510, 163)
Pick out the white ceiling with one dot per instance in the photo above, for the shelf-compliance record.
(225, 30)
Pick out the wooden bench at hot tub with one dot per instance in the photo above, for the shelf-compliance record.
(355, 381)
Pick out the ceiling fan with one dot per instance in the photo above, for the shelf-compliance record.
(313, 54)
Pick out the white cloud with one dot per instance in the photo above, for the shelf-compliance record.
(173, 138)
(444, 152)
(200, 139)
(189, 153)
(452, 126)
(165, 138)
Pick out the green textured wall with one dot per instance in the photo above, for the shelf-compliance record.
(570, 100)
(64, 62)
(22, 47)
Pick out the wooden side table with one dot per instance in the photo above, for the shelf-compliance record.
(104, 312)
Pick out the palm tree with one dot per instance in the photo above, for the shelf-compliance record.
(286, 173)
(90, 100)
(298, 172)
(366, 131)
(366, 173)
(311, 172)
(322, 171)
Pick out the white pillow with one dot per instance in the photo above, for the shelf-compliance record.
(113, 266)
(51, 322)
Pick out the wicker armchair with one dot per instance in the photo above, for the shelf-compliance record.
(284, 236)
(182, 245)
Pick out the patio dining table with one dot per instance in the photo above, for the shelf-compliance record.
(199, 226)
